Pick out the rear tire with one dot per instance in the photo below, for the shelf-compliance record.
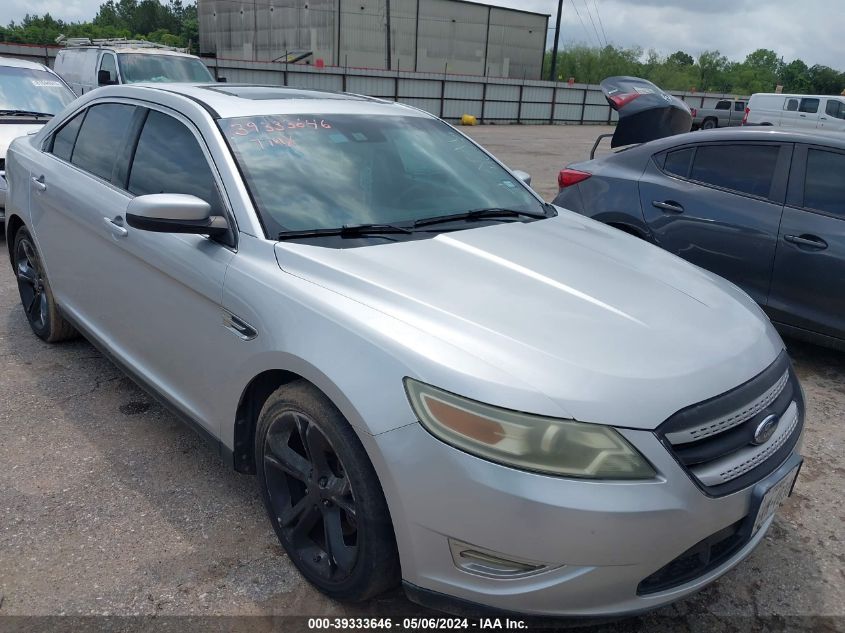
(709, 124)
(323, 495)
(44, 316)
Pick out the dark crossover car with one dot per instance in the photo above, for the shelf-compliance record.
(764, 209)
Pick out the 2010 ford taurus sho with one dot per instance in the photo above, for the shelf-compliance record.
(438, 378)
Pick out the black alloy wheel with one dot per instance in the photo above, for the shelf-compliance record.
(311, 496)
(31, 284)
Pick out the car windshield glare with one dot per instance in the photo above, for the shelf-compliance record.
(325, 171)
(146, 67)
(32, 90)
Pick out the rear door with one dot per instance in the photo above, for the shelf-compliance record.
(808, 280)
(833, 117)
(718, 205)
(808, 113)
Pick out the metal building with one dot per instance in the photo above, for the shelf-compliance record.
(453, 36)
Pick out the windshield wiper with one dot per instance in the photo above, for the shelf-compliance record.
(24, 113)
(346, 231)
(480, 214)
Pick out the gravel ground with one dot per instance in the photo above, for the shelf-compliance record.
(108, 505)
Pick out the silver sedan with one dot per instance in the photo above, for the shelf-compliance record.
(437, 377)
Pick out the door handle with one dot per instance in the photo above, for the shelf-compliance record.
(810, 241)
(669, 205)
(115, 225)
(823, 118)
(39, 183)
(803, 116)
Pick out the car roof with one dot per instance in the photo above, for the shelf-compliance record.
(224, 100)
(144, 50)
(744, 134)
(22, 63)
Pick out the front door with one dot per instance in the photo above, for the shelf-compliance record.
(719, 206)
(808, 281)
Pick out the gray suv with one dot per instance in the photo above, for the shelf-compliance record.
(437, 377)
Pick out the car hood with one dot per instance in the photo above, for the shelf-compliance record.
(10, 131)
(606, 326)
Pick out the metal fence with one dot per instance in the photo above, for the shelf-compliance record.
(490, 100)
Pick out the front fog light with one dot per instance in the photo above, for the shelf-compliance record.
(530, 442)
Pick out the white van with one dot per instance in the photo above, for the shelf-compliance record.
(824, 113)
(87, 64)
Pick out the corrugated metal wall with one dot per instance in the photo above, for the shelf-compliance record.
(426, 35)
(492, 100)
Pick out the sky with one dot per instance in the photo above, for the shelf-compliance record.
(810, 29)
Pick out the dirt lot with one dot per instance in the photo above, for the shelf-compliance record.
(108, 505)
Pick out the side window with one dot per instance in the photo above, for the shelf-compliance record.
(723, 105)
(108, 64)
(169, 160)
(743, 168)
(810, 106)
(791, 105)
(835, 109)
(102, 138)
(739, 106)
(678, 162)
(64, 139)
(824, 188)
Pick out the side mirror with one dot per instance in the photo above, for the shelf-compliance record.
(524, 176)
(222, 80)
(174, 213)
(104, 78)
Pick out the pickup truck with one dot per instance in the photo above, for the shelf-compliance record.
(727, 113)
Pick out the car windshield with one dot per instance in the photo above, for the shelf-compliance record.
(326, 171)
(147, 67)
(32, 90)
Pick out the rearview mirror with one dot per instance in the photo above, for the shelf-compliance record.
(174, 213)
(104, 78)
(524, 176)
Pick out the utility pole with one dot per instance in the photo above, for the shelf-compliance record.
(387, 30)
(553, 76)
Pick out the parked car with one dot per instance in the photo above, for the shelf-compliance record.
(764, 209)
(822, 113)
(87, 64)
(726, 113)
(30, 94)
(435, 375)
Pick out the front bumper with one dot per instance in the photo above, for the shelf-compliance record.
(597, 541)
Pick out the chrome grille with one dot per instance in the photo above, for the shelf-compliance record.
(714, 440)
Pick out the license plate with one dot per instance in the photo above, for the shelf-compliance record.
(774, 497)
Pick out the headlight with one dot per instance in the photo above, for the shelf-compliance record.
(529, 442)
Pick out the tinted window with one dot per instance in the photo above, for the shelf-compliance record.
(744, 168)
(739, 106)
(108, 63)
(678, 162)
(723, 105)
(65, 138)
(102, 138)
(169, 160)
(835, 109)
(811, 106)
(824, 187)
(791, 105)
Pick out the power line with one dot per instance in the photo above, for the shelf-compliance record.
(593, 22)
(583, 26)
(601, 24)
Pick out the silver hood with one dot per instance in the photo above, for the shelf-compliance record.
(608, 327)
(10, 131)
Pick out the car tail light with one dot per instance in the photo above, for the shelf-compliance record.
(624, 99)
(569, 177)
(745, 116)
(693, 112)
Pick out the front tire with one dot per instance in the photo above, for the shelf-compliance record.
(323, 495)
(37, 299)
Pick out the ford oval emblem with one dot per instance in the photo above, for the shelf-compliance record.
(765, 429)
